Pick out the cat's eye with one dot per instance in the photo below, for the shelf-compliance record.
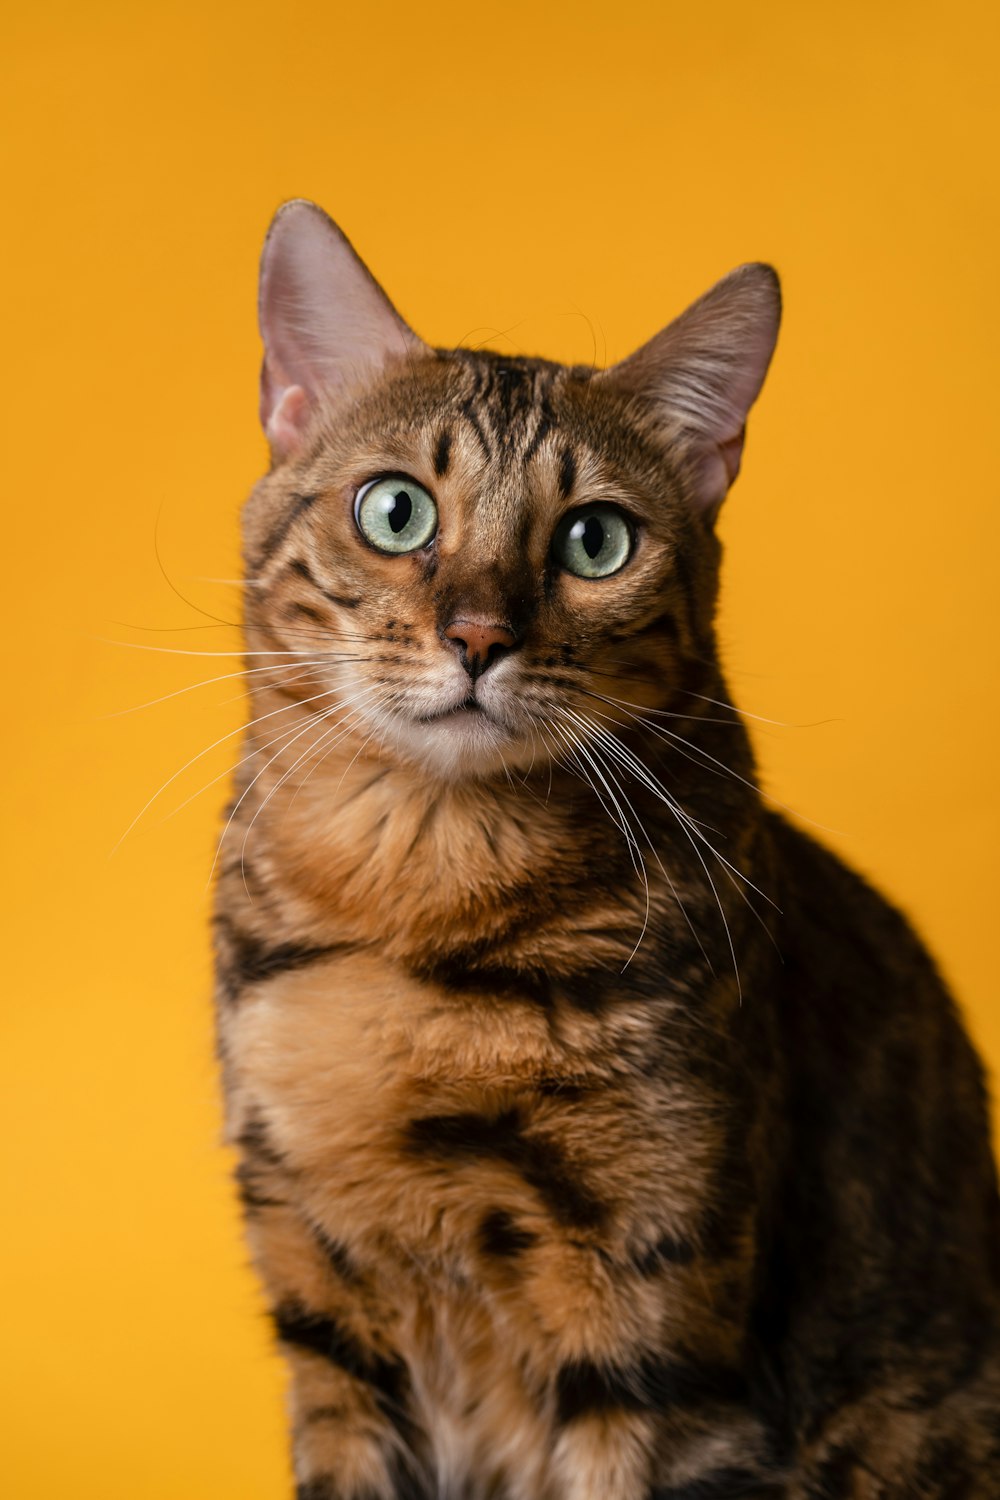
(396, 514)
(593, 542)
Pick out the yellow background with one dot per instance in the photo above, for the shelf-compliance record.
(573, 176)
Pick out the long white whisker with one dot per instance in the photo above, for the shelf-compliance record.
(582, 720)
(642, 771)
(635, 853)
(658, 790)
(285, 666)
(229, 655)
(593, 757)
(286, 708)
(661, 713)
(340, 729)
(683, 747)
(230, 771)
(744, 713)
(287, 736)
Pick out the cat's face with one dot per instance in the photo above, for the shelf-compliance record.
(485, 560)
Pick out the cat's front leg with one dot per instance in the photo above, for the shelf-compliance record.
(353, 1436)
(645, 1387)
(638, 1431)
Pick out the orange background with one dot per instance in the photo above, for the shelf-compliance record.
(553, 179)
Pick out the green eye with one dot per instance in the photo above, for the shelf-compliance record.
(593, 541)
(396, 514)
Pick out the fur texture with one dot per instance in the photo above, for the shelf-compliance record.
(602, 1137)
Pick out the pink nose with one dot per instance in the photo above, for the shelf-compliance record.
(479, 643)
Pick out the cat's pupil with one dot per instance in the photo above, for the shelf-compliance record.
(401, 511)
(592, 536)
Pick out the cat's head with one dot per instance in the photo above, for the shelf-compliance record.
(479, 555)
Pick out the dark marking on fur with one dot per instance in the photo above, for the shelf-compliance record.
(502, 1237)
(301, 567)
(442, 453)
(505, 1138)
(721, 1484)
(468, 409)
(299, 506)
(943, 1470)
(322, 1487)
(253, 1194)
(324, 1414)
(338, 1256)
(567, 473)
(295, 608)
(460, 974)
(251, 961)
(302, 1328)
(668, 1251)
(255, 1140)
(584, 1387)
(538, 437)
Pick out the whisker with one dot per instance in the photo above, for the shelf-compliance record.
(577, 749)
(344, 728)
(140, 645)
(314, 721)
(677, 741)
(170, 582)
(258, 749)
(688, 827)
(201, 753)
(659, 790)
(744, 713)
(663, 870)
(249, 583)
(662, 713)
(296, 667)
(594, 758)
(340, 727)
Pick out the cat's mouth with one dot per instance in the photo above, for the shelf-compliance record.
(471, 706)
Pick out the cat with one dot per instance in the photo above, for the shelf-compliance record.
(601, 1136)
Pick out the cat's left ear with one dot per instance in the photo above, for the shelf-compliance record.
(700, 376)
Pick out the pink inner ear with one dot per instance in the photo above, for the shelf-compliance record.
(715, 466)
(732, 451)
(287, 420)
(325, 322)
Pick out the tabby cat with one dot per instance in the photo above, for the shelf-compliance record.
(601, 1136)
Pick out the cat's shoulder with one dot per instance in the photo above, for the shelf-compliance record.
(833, 920)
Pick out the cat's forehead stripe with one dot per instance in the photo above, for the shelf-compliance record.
(567, 472)
(442, 452)
(507, 402)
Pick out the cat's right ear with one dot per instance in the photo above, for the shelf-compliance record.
(325, 321)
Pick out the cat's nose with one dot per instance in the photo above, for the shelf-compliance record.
(479, 643)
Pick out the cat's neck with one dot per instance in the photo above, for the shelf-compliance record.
(465, 865)
(360, 838)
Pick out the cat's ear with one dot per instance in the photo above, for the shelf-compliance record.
(702, 373)
(325, 321)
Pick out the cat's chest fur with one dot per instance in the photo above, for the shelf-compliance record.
(410, 1116)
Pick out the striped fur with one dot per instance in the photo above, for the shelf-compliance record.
(575, 1168)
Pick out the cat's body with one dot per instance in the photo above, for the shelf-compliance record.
(602, 1137)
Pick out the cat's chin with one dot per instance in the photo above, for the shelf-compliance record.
(466, 742)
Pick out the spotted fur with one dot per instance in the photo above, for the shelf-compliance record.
(591, 1147)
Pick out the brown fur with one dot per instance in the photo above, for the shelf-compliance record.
(568, 1180)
